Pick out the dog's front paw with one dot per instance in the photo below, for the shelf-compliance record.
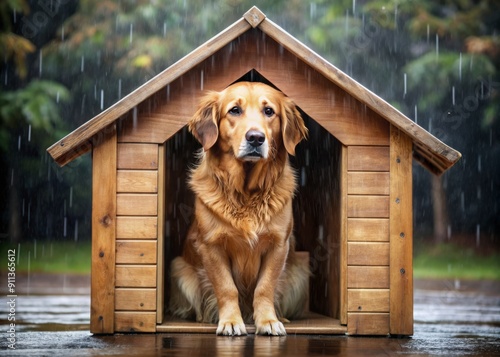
(270, 328)
(231, 328)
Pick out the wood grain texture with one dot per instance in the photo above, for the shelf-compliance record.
(368, 230)
(130, 227)
(368, 324)
(401, 234)
(343, 236)
(138, 181)
(368, 300)
(131, 204)
(136, 252)
(129, 299)
(368, 158)
(368, 253)
(135, 276)
(368, 183)
(366, 277)
(311, 323)
(137, 156)
(135, 321)
(103, 235)
(161, 275)
(367, 206)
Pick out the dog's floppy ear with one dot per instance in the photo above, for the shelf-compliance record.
(292, 125)
(204, 123)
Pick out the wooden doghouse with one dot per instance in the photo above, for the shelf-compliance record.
(353, 211)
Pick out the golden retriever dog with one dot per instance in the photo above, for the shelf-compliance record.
(239, 263)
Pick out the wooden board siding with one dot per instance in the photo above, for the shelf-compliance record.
(368, 234)
(401, 235)
(137, 182)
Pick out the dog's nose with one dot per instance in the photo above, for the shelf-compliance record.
(255, 138)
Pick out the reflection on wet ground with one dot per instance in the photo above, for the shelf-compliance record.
(448, 321)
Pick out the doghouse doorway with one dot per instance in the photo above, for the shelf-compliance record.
(318, 225)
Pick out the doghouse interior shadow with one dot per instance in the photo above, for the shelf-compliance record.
(316, 207)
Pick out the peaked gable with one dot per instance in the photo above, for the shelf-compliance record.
(285, 54)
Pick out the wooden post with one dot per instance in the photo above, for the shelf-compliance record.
(160, 283)
(343, 236)
(401, 235)
(103, 232)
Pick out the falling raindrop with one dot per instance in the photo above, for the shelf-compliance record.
(448, 232)
(428, 33)
(453, 95)
(131, 33)
(134, 117)
(353, 6)
(62, 33)
(29, 271)
(76, 231)
(478, 235)
(29, 133)
(312, 10)
(164, 29)
(102, 99)
(119, 89)
(65, 227)
(82, 64)
(201, 80)
(303, 177)
(71, 197)
(19, 143)
(404, 85)
(58, 94)
(320, 233)
(479, 163)
(40, 64)
(460, 67)
(437, 46)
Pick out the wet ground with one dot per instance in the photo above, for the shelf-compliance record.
(451, 318)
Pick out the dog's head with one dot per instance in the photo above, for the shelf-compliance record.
(250, 119)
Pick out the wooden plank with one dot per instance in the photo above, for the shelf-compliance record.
(135, 299)
(130, 227)
(136, 252)
(367, 206)
(401, 234)
(368, 230)
(368, 183)
(160, 279)
(343, 235)
(137, 156)
(368, 253)
(368, 300)
(139, 181)
(310, 324)
(128, 204)
(361, 277)
(135, 276)
(368, 324)
(133, 321)
(368, 158)
(103, 235)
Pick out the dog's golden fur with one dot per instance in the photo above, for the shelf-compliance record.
(239, 262)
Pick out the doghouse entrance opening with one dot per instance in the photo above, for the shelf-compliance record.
(317, 221)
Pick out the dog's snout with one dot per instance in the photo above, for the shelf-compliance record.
(255, 138)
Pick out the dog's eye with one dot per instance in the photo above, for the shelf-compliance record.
(235, 111)
(269, 111)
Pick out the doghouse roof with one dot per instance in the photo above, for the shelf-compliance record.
(427, 149)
